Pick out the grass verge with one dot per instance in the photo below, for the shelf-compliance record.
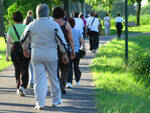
(3, 62)
(118, 90)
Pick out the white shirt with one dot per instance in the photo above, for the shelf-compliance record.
(79, 24)
(94, 26)
(119, 19)
(76, 37)
(106, 20)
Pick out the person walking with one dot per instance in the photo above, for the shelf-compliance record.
(78, 42)
(29, 13)
(58, 14)
(119, 27)
(107, 24)
(100, 31)
(44, 35)
(19, 61)
(79, 23)
(93, 25)
(27, 20)
(84, 21)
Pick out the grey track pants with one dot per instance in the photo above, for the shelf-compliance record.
(40, 87)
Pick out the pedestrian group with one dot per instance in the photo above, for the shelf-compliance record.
(50, 47)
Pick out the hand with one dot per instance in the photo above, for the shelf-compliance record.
(7, 58)
(65, 59)
(73, 55)
(26, 53)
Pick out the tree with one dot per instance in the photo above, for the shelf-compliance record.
(23, 6)
(66, 7)
(2, 28)
(108, 3)
(138, 11)
(97, 4)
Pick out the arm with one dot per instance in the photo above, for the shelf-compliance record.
(70, 37)
(8, 44)
(82, 42)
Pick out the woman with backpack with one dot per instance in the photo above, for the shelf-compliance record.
(19, 61)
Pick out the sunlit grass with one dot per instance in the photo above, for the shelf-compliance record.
(3, 62)
(117, 89)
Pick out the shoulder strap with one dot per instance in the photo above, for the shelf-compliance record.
(59, 41)
(16, 32)
(93, 20)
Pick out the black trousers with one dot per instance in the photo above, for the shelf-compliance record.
(94, 40)
(119, 29)
(64, 70)
(77, 72)
(21, 66)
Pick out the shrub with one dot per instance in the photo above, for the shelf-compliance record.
(139, 63)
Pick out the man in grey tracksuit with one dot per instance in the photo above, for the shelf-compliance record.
(41, 33)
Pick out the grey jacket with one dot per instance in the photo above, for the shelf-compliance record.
(42, 36)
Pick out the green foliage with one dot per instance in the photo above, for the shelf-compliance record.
(120, 7)
(23, 6)
(140, 62)
(145, 10)
(15, 7)
(118, 90)
(8, 17)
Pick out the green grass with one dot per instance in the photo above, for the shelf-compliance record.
(3, 62)
(117, 89)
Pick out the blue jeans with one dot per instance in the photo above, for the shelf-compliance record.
(31, 76)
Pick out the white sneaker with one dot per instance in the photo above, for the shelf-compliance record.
(69, 85)
(17, 92)
(39, 107)
(77, 84)
(22, 91)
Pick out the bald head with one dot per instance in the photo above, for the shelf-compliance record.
(42, 10)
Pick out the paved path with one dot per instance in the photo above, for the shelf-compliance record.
(77, 100)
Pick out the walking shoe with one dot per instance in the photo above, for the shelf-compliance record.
(94, 51)
(69, 85)
(63, 91)
(77, 84)
(39, 107)
(17, 92)
(31, 85)
(55, 105)
(22, 91)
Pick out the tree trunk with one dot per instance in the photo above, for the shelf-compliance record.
(138, 11)
(2, 28)
(66, 7)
